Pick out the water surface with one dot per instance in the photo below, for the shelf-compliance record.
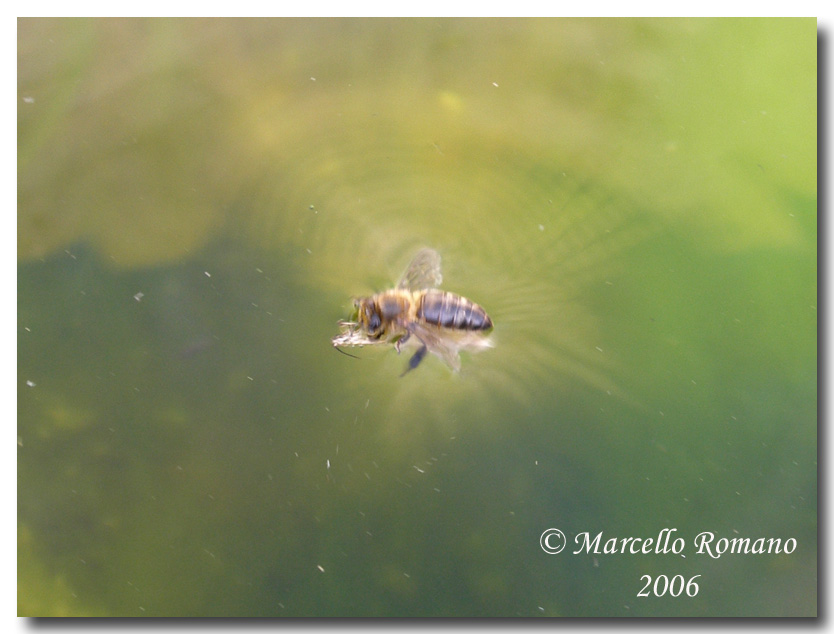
(632, 201)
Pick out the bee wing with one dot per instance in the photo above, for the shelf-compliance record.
(443, 347)
(423, 272)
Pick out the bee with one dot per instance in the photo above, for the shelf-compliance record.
(417, 312)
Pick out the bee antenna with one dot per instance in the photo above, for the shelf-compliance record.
(348, 354)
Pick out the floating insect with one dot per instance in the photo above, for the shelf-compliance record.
(416, 312)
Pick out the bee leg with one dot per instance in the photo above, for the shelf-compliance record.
(401, 341)
(415, 360)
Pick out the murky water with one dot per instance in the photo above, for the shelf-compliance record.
(633, 202)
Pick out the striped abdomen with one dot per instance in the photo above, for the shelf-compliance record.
(448, 310)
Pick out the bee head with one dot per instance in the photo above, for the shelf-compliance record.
(368, 316)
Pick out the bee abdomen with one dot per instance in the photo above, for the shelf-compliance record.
(447, 310)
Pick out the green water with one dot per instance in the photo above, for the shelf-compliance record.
(632, 201)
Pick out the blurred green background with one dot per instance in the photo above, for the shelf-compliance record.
(632, 201)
